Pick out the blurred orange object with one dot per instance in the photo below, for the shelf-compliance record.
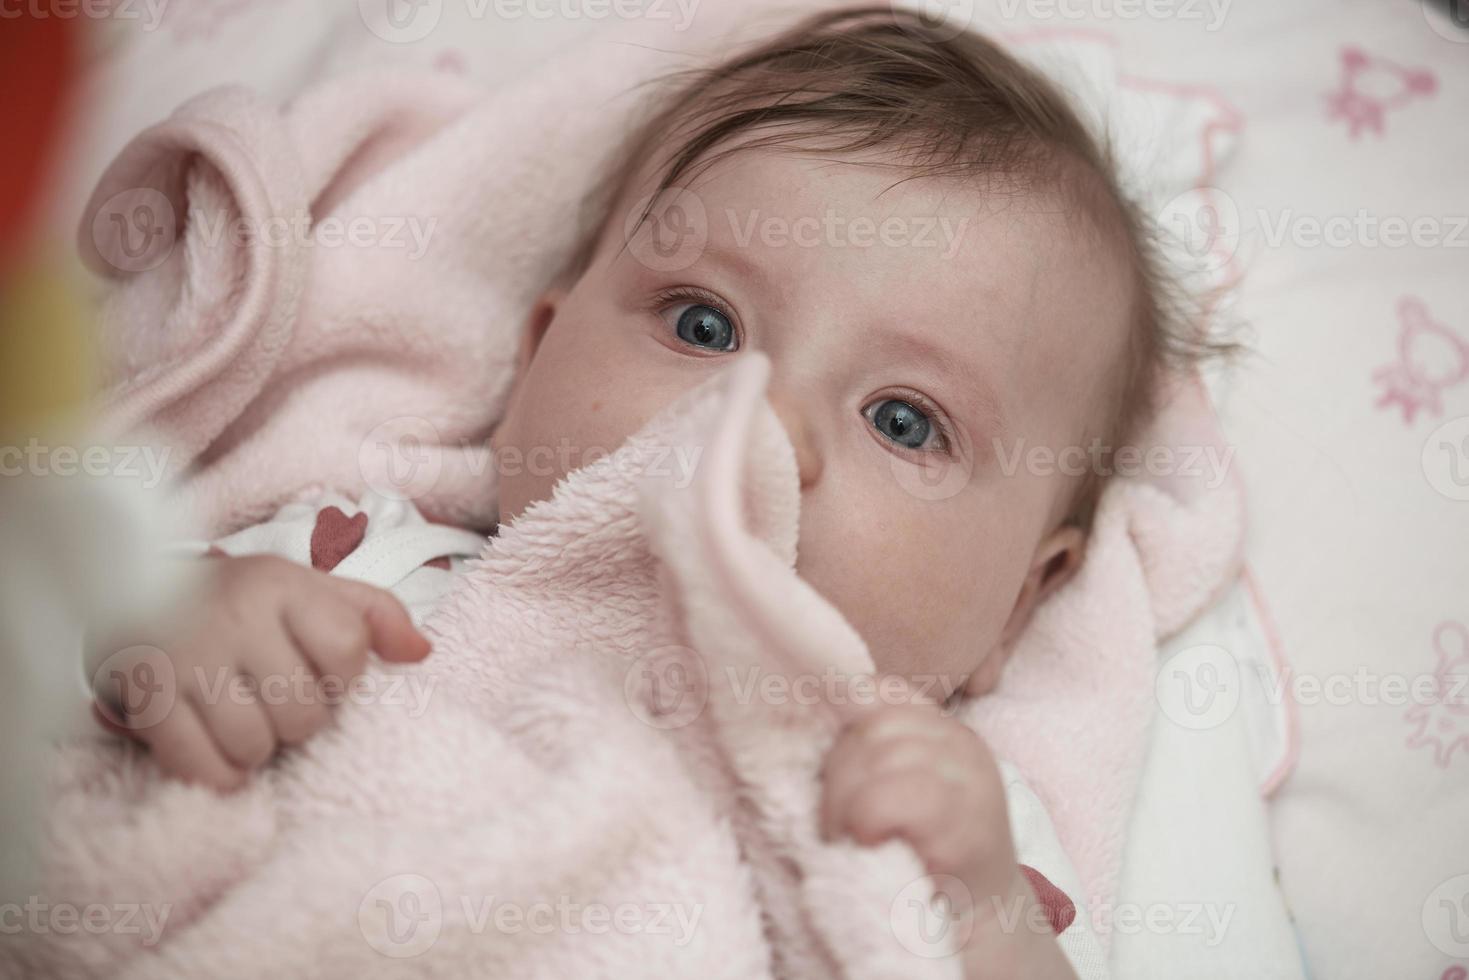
(37, 66)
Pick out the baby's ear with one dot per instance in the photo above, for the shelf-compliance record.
(542, 312)
(1056, 559)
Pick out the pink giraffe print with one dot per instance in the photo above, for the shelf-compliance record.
(1444, 721)
(1431, 358)
(1370, 86)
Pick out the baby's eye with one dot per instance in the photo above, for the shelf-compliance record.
(704, 326)
(902, 422)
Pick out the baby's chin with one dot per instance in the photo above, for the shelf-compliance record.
(900, 681)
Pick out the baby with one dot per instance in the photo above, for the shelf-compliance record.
(937, 259)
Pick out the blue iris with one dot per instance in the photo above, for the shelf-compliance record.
(704, 326)
(902, 423)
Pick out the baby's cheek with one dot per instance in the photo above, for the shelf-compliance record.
(547, 432)
(578, 402)
(914, 584)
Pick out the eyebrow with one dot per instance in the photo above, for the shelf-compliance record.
(985, 408)
(734, 261)
(974, 388)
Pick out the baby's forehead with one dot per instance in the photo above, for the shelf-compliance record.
(1007, 265)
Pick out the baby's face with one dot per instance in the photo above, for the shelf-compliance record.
(919, 333)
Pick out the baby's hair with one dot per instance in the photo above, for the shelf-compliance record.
(943, 105)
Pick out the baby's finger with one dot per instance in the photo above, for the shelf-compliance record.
(906, 751)
(330, 633)
(185, 749)
(288, 690)
(241, 728)
(899, 721)
(841, 772)
(854, 761)
(911, 806)
(393, 635)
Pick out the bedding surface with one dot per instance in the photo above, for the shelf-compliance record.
(1349, 417)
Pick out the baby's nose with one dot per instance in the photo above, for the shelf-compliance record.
(799, 427)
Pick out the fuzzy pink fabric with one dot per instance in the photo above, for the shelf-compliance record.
(588, 736)
(551, 764)
(266, 367)
(269, 361)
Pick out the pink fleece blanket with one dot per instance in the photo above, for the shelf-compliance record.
(586, 750)
(253, 359)
(586, 740)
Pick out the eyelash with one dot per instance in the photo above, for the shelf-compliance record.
(943, 429)
(936, 416)
(693, 294)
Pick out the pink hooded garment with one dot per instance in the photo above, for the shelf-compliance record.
(543, 766)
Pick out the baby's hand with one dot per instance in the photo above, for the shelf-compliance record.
(247, 660)
(910, 772)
